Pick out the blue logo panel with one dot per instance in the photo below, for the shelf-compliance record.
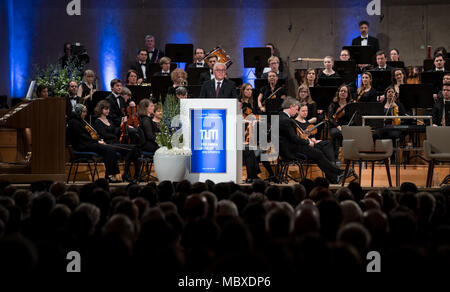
(208, 140)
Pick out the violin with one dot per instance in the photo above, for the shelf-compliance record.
(301, 132)
(272, 96)
(340, 112)
(91, 130)
(124, 137)
(248, 111)
(312, 129)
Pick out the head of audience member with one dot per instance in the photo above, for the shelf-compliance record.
(80, 111)
(343, 93)
(366, 80)
(311, 77)
(344, 55)
(351, 212)
(355, 234)
(150, 42)
(439, 62)
(181, 92)
(132, 77)
(142, 56)
(279, 222)
(72, 88)
(398, 76)
(307, 219)
(164, 62)
(272, 77)
(126, 94)
(290, 106)
(446, 91)
(219, 71)
(116, 86)
(179, 77)
(146, 108)
(440, 50)
(381, 59)
(328, 63)
(394, 55)
(41, 91)
(303, 94)
(274, 64)
(211, 61)
(364, 28)
(102, 108)
(199, 55)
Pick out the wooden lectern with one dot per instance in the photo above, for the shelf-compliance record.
(45, 119)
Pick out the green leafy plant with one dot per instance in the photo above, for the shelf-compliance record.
(56, 77)
(171, 109)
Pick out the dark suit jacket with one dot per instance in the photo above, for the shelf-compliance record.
(205, 76)
(69, 104)
(289, 140)
(227, 89)
(388, 68)
(115, 112)
(136, 66)
(371, 41)
(157, 54)
(79, 137)
(159, 73)
(193, 65)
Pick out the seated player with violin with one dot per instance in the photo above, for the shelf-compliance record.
(337, 116)
(293, 146)
(271, 91)
(250, 157)
(128, 127)
(110, 135)
(314, 115)
(85, 139)
(306, 130)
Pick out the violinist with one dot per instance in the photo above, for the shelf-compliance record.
(87, 88)
(325, 146)
(81, 140)
(130, 121)
(366, 93)
(146, 110)
(273, 91)
(314, 115)
(292, 146)
(132, 78)
(337, 116)
(311, 78)
(251, 157)
(110, 135)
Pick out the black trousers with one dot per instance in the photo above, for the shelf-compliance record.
(336, 139)
(327, 166)
(251, 162)
(131, 155)
(109, 155)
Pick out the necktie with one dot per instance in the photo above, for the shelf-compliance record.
(218, 89)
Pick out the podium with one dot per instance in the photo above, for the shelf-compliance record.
(211, 129)
(43, 118)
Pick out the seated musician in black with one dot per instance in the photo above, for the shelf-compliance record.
(439, 119)
(116, 102)
(328, 72)
(270, 91)
(117, 137)
(392, 107)
(366, 93)
(82, 140)
(292, 146)
(314, 115)
(145, 112)
(251, 157)
(337, 116)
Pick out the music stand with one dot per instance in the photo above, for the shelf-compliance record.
(180, 53)
(160, 86)
(261, 82)
(4, 102)
(194, 75)
(381, 80)
(434, 78)
(140, 92)
(238, 81)
(396, 64)
(361, 54)
(273, 106)
(331, 81)
(414, 96)
(447, 113)
(365, 109)
(346, 69)
(428, 64)
(323, 96)
(256, 57)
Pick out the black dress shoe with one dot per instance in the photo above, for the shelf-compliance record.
(112, 179)
(352, 172)
(126, 178)
(340, 178)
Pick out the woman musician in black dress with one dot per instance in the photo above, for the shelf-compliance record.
(251, 157)
(337, 116)
(366, 93)
(145, 112)
(110, 136)
(314, 115)
(271, 91)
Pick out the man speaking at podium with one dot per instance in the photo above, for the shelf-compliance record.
(218, 87)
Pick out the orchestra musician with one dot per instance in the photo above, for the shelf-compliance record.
(116, 102)
(41, 91)
(251, 157)
(328, 72)
(293, 146)
(314, 115)
(141, 66)
(366, 93)
(154, 54)
(164, 62)
(274, 66)
(439, 95)
(344, 55)
(146, 110)
(110, 135)
(72, 99)
(199, 59)
(205, 76)
(87, 87)
(179, 78)
(272, 91)
(81, 137)
(311, 78)
(439, 115)
(129, 112)
(394, 54)
(132, 78)
(398, 78)
(337, 116)
(392, 107)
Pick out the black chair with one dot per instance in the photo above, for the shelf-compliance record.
(283, 169)
(146, 160)
(77, 157)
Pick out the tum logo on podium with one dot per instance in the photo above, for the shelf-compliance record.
(211, 134)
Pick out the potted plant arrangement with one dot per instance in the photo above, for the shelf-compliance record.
(171, 159)
(56, 78)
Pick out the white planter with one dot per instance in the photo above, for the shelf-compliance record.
(170, 167)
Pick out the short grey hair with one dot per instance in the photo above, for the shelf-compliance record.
(219, 64)
(78, 109)
(149, 36)
(289, 101)
(181, 90)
